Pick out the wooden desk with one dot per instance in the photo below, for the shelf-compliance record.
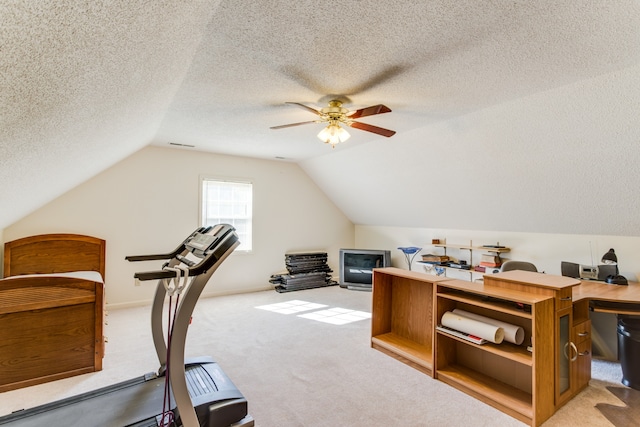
(603, 297)
(528, 384)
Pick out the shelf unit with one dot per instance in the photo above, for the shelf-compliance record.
(505, 376)
(471, 249)
(516, 379)
(402, 316)
(572, 369)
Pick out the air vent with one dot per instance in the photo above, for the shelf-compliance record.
(181, 145)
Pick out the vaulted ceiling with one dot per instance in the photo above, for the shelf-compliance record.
(85, 84)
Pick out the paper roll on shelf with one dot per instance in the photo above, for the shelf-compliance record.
(512, 333)
(492, 333)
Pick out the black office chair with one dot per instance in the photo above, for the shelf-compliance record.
(518, 265)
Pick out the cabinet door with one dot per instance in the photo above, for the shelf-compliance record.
(581, 369)
(566, 352)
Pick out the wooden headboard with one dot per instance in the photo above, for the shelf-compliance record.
(54, 253)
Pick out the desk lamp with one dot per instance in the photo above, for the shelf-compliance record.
(610, 258)
(410, 253)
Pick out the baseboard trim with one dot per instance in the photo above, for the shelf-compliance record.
(143, 303)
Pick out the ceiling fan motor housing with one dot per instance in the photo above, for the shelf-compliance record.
(335, 114)
(334, 111)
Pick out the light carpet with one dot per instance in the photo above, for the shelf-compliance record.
(303, 368)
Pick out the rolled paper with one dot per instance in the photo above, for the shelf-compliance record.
(512, 333)
(492, 333)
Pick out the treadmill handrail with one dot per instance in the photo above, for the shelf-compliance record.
(184, 313)
(196, 270)
(176, 251)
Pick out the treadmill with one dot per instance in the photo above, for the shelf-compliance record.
(200, 393)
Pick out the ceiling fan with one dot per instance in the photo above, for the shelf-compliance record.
(335, 114)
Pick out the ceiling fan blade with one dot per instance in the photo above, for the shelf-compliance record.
(293, 124)
(369, 111)
(372, 128)
(313, 110)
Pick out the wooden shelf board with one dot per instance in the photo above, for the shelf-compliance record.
(473, 248)
(616, 311)
(410, 350)
(493, 305)
(446, 246)
(407, 274)
(488, 390)
(507, 350)
(535, 279)
(484, 289)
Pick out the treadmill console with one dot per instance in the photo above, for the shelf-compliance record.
(200, 243)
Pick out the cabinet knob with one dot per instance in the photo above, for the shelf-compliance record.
(584, 353)
(583, 334)
(565, 299)
(575, 350)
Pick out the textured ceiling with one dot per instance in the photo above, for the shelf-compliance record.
(426, 60)
(87, 83)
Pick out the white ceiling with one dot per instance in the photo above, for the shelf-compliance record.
(426, 60)
(85, 84)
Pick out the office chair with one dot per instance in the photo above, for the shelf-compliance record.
(518, 265)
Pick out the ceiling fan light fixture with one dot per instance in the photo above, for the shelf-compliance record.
(335, 114)
(333, 134)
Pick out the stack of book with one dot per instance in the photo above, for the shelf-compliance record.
(490, 261)
(435, 259)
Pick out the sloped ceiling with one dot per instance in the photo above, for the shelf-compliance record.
(88, 83)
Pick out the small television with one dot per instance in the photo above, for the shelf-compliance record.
(356, 267)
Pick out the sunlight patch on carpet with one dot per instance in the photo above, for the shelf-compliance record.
(291, 307)
(337, 316)
(334, 316)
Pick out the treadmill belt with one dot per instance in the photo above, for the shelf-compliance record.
(137, 402)
(124, 404)
(199, 382)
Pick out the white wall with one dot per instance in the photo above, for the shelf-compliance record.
(546, 251)
(148, 203)
(563, 161)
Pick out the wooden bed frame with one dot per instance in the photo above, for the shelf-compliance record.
(50, 326)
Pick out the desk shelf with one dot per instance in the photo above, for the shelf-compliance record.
(506, 376)
(402, 316)
(504, 397)
(403, 348)
(516, 353)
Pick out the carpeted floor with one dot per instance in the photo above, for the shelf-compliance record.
(307, 361)
(622, 416)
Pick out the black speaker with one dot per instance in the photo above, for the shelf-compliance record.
(570, 269)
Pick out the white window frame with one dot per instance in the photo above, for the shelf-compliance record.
(245, 233)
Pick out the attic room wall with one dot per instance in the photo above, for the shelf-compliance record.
(563, 161)
(148, 203)
(546, 251)
(545, 174)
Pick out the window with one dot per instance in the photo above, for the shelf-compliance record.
(228, 202)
